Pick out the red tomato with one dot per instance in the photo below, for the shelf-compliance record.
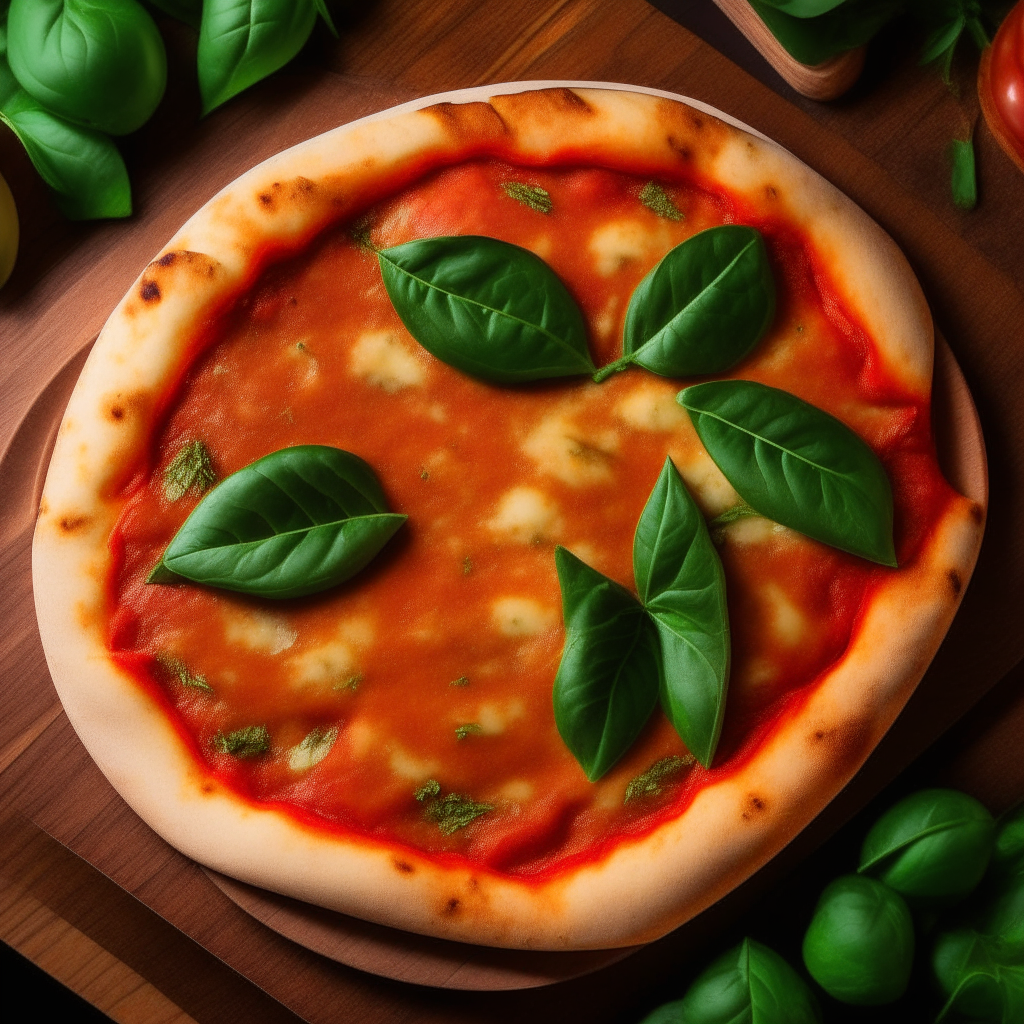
(1005, 76)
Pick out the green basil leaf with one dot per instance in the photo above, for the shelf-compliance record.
(321, 9)
(1008, 855)
(488, 308)
(804, 8)
(796, 465)
(251, 741)
(814, 40)
(681, 583)
(99, 63)
(977, 979)
(243, 41)
(188, 11)
(963, 181)
(82, 167)
(667, 1013)
(607, 682)
(932, 847)
(703, 307)
(941, 41)
(998, 912)
(750, 983)
(295, 522)
(859, 946)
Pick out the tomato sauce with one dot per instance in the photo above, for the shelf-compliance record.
(458, 621)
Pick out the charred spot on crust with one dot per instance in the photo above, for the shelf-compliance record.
(117, 412)
(404, 866)
(955, 582)
(574, 101)
(755, 805)
(149, 291)
(72, 523)
(841, 746)
(771, 192)
(681, 149)
(167, 260)
(452, 906)
(697, 121)
(266, 200)
(209, 787)
(470, 119)
(977, 513)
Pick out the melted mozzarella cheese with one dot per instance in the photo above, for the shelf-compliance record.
(788, 622)
(387, 361)
(518, 791)
(560, 448)
(526, 515)
(494, 719)
(649, 406)
(620, 242)
(706, 481)
(259, 631)
(328, 665)
(408, 766)
(522, 616)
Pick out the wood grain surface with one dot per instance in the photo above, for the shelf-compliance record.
(157, 913)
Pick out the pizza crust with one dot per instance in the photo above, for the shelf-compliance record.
(643, 888)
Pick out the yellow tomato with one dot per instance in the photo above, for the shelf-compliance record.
(8, 232)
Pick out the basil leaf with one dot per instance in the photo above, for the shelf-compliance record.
(796, 465)
(292, 523)
(607, 682)
(102, 65)
(703, 307)
(251, 741)
(188, 11)
(667, 1013)
(750, 983)
(932, 847)
(681, 583)
(243, 41)
(488, 308)
(82, 167)
(814, 40)
(1008, 855)
(979, 981)
(804, 8)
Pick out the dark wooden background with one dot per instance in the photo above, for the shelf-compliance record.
(145, 936)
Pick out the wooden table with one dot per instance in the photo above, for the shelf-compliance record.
(110, 938)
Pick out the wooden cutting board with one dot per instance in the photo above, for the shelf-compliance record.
(52, 311)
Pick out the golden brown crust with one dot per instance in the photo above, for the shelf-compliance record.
(643, 888)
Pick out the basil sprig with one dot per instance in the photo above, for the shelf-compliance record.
(83, 167)
(795, 464)
(491, 309)
(622, 654)
(702, 308)
(295, 522)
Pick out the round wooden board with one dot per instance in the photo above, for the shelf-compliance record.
(377, 949)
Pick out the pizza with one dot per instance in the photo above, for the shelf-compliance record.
(582, 680)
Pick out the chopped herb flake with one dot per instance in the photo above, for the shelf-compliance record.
(247, 742)
(190, 468)
(653, 781)
(424, 475)
(185, 676)
(461, 681)
(533, 196)
(462, 731)
(656, 199)
(313, 749)
(351, 683)
(467, 565)
(360, 232)
(428, 791)
(739, 511)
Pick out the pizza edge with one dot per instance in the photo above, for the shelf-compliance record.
(643, 888)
